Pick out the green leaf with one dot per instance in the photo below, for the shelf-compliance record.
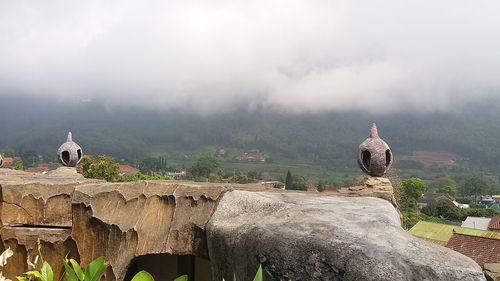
(70, 273)
(46, 273)
(22, 278)
(143, 276)
(35, 273)
(95, 269)
(258, 275)
(77, 269)
(181, 278)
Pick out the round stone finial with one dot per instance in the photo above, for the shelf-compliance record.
(374, 155)
(69, 153)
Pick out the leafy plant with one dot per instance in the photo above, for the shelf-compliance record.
(45, 274)
(145, 276)
(258, 275)
(101, 167)
(74, 271)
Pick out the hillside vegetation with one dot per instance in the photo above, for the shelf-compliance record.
(316, 141)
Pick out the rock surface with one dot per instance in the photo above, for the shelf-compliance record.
(124, 220)
(38, 199)
(299, 236)
(492, 271)
(295, 235)
(55, 244)
(371, 187)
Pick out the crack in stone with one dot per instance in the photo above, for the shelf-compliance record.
(19, 206)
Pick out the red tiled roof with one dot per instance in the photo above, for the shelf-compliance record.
(481, 249)
(494, 223)
(331, 188)
(8, 160)
(127, 169)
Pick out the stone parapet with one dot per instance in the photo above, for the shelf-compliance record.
(345, 235)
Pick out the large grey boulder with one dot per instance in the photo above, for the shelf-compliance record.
(303, 236)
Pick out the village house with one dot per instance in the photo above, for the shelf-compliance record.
(124, 170)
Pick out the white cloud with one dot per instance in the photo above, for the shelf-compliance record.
(300, 55)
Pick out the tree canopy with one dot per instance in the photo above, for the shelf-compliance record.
(203, 167)
(445, 185)
(101, 167)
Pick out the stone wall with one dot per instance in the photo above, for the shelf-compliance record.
(336, 236)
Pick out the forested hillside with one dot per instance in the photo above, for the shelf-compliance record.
(329, 139)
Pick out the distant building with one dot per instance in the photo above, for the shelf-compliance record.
(434, 198)
(8, 161)
(220, 152)
(494, 224)
(273, 184)
(42, 168)
(440, 233)
(124, 170)
(177, 174)
(495, 207)
(252, 156)
(330, 188)
(481, 249)
(487, 201)
(476, 223)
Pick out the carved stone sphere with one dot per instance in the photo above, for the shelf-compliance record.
(374, 155)
(1, 161)
(69, 153)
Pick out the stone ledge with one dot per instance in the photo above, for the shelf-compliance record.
(301, 236)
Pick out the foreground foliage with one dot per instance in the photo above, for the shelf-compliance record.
(73, 271)
(106, 168)
(102, 167)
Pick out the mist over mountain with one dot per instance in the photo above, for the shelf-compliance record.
(328, 138)
(287, 55)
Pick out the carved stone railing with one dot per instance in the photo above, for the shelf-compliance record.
(295, 235)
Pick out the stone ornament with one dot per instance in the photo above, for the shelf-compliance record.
(1, 160)
(69, 153)
(374, 155)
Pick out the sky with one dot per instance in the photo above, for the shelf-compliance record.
(221, 56)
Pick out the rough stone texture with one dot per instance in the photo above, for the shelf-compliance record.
(295, 235)
(371, 187)
(492, 271)
(300, 236)
(122, 221)
(55, 245)
(38, 199)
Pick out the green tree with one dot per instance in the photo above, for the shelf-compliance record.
(215, 177)
(102, 167)
(30, 158)
(19, 165)
(288, 180)
(474, 186)
(445, 185)
(295, 182)
(448, 210)
(240, 178)
(203, 167)
(479, 212)
(8, 152)
(320, 186)
(407, 192)
(414, 187)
